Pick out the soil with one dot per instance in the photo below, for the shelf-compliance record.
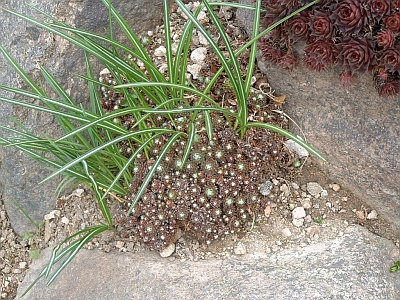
(304, 207)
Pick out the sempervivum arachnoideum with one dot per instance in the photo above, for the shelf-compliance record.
(221, 199)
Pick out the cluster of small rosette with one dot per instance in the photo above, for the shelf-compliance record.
(357, 35)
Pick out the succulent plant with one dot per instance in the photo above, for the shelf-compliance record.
(357, 35)
(220, 200)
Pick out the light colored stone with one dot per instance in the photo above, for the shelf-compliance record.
(52, 215)
(202, 39)
(332, 266)
(202, 17)
(298, 213)
(285, 189)
(298, 222)
(79, 192)
(324, 193)
(267, 211)
(47, 231)
(198, 55)
(104, 71)
(286, 232)
(296, 148)
(160, 51)
(360, 214)
(163, 68)
(314, 188)
(306, 203)
(119, 244)
(194, 70)
(373, 215)
(265, 188)
(240, 249)
(335, 187)
(168, 251)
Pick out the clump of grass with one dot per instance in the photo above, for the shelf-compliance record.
(319, 220)
(395, 267)
(88, 151)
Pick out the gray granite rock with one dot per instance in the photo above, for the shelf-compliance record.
(354, 266)
(357, 131)
(33, 47)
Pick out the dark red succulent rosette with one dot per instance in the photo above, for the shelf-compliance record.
(320, 25)
(389, 59)
(287, 61)
(379, 8)
(356, 55)
(385, 39)
(319, 54)
(269, 53)
(297, 27)
(382, 74)
(392, 22)
(387, 89)
(346, 78)
(359, 35)
(276, 9)
(349, 16)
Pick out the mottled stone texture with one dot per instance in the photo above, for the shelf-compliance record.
(354, 266)
(356, 130)
(33, 47)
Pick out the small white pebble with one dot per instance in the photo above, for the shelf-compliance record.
(119, 244)
(160, 51)
(168, 251)
(298, 213)
(298, 222)
(335, 187)
(306, 203)
(240, 249)
(373, 215)
(286, 232)
(324, 193)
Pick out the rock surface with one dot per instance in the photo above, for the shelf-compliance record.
(357, 132)
(33, 47)
(354, 266)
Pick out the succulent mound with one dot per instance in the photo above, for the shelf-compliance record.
(217, 191)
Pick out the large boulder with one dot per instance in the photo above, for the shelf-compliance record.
(33, 47)
(356, 130)
(353, 266)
